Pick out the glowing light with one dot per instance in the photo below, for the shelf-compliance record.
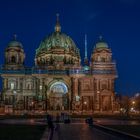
(85, 103)
(132, 108)
(121, 109)
(14, 92)
(77, 98)
(12, 85)
(40, 87)
(133, 102)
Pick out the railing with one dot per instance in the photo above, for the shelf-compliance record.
(41, 71)
(56, 72)
(23, 71)
(104, 72)
(104, 63)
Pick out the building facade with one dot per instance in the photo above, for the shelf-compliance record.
(58, 81)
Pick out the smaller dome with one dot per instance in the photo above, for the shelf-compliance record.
(101, 43)
(14, 43)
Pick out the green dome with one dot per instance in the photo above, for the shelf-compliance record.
(57, 39)
(100, 45)
(14, 44)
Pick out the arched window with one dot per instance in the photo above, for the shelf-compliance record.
(104, 86)
(13, 59)
(12, 85)
(29, 86)
(103, 59)
(99, 58)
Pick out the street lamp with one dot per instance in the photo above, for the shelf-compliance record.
(85, 102)
(133, 102)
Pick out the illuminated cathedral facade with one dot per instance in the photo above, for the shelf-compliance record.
(58, 81)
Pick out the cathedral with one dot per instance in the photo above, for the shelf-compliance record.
(58, 81)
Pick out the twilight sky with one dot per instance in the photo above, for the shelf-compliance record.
(118, 21)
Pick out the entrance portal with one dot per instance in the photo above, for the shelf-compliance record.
(58, 96)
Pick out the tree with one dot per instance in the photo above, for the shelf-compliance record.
(125, 105)
(137, 103)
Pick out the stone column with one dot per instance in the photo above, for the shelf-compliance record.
(74, 90)
(5, 86)
(112, 103)
(110, 85)
(18, 83)
(98, 84)
(100, 103)
(24, 87)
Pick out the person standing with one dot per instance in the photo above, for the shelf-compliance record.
(50, 126)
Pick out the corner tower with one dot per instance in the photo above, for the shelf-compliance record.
(14, 55)
(104, 73)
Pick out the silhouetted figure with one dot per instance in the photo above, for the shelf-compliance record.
(89, 121)
(50, 126)
(62, 116)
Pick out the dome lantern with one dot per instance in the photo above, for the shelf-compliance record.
(57, 26)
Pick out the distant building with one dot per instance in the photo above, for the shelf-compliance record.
(58, 81)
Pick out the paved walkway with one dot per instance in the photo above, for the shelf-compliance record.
(24, 121)
(103, 121)
(77, 131)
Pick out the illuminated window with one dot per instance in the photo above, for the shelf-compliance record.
(40, 87)
(99, 58)
(59, 87)
(77, 98)
(12, 86)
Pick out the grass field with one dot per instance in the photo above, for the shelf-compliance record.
(21, 132)
(131, 129)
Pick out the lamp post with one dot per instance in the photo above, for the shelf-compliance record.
(85, 105)
(99, 100)
(133, 106)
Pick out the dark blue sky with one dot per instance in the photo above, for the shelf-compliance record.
(118, 21)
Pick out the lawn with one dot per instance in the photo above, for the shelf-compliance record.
(21, 132)
(131, 129)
